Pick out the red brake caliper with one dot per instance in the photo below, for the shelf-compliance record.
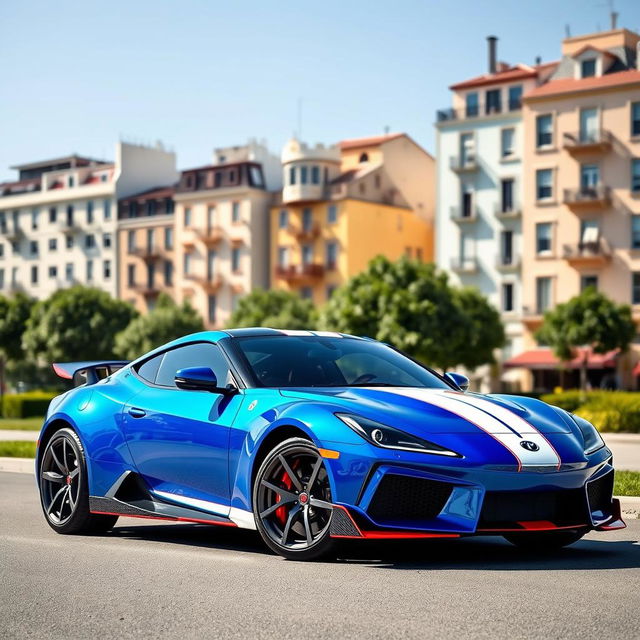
(281, 512)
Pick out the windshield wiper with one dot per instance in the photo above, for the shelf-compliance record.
(377, 384)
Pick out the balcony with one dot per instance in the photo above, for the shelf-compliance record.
(148, 254)
(461, 164)
(532, 317)
(148, 290)
(464, 265)
(508, 262)
(594, 142)
(12, 232)
(597, 197)
(463, 214)
(296, 272)
(512, 212)
(209, 237)
(479, 111)
(68, 226)
(308, 235)
(587, 254)
(209, 284)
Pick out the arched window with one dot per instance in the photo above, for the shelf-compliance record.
(364, 157)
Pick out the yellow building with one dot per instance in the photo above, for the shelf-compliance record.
(342, 206)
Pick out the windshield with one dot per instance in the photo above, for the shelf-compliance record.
(314, 361)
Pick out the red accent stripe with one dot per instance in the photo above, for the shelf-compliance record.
(537, 525)
(385, 535)
(61, 373)
(172, 519)
(553, 527)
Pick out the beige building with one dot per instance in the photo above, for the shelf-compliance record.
(222, 230)
(581, 193)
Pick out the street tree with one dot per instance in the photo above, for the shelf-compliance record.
(166, 322)
(14, 313)
(588, 323)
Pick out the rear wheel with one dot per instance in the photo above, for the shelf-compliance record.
(292, 501)
(64, 489)
(545, 540)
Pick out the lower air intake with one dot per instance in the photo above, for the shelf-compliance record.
(406, 498)
(600, 492)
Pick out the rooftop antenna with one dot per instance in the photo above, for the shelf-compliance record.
(299, 136)
(386, 130)
(567, 31)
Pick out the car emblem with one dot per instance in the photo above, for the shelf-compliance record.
(252, 406)
(529, 446)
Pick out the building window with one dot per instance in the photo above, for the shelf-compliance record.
(292, 175)
(307, 219)
(211, 309)
(34, 274)
(589, 125)
(168, 205)
(588, 281)
(283, 219)
(306, 293)
(89, 241)
(106, 269)
(70, 181)
(635, 288)
(69, 242)
(589, 178)
(89, 270)
(303, 174)
(33, 247)
(150, 240)
(53, 215)
(364, 157)
(543, 294)
(507, 142)
(168, 273)
(635, 118)
(635, 231)
(506, 247)
(235, 259)
(106, 240)
(544, 184)
(90, 212)
(307, 254)
(1, 278)
(494, 101)
(588, 68)
(471, 102)
(53, 272)
(315, 174)
(507, 297)
(53, 244)
(69, 215)
(332, 255)
(332, 214)
(1, 251)
(168, 238)
(331, 289)
(131, 241)
(283, 257)
(515, 97)
(635, 175)
(131, 275)
(15, 248)
(187, 263)
(133, 209)
(151, 207)
(544, 130)
(507, 203)
(235, 212)
(34, 218)
(187, 216)
(107, 209)
(543, 238)
(68, 272)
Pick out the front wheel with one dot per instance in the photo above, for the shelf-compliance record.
(292, 501)
(64, 488)
(545, 540)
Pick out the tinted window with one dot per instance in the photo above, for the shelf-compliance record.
(313, 361)
(148, 369)
(200, 354)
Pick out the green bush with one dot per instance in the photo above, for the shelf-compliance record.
(27, 405)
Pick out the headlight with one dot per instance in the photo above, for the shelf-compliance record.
(592, 439)
(387, 437)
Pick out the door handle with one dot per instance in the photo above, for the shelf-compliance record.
(137, 413)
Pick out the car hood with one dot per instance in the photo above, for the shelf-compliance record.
(433, 411)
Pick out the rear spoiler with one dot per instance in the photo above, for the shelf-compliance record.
(87, 372)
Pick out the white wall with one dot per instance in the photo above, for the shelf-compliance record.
(140, 168)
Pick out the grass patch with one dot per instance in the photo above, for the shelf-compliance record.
(627, 483)
(17, 449)
(21, 424)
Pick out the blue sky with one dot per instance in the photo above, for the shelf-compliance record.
(196, 74)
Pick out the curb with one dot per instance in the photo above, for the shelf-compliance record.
(629, 505)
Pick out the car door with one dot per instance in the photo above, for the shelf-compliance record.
(179, 439)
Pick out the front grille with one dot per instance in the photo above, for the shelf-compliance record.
(600, 492)
(564, 507)
(406, 498)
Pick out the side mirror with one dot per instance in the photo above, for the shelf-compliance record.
(462, 382)
(198, 379)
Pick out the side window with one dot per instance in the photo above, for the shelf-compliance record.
(148, 369)
(199, 354)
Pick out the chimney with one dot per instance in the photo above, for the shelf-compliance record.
(492, 40)
(538, 61)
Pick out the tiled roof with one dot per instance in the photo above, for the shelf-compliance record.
(156, 192)
(572, 85)
(517, 72)
(373, 141)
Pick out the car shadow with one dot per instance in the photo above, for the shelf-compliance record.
(467, 554)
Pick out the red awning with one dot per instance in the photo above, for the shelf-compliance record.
(545, 359)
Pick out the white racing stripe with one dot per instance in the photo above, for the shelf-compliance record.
(500, 423)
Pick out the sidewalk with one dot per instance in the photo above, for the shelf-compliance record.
(16, 434)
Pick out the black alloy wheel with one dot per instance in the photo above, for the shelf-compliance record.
(292, 501)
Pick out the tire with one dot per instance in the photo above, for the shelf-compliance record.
(545, 540)
(299, 528)
(64, 487)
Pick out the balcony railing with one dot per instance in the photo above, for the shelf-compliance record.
(596, 196)
(308, 234)
(210, 284)
(479, 111)
(149, 254)
(461, 164)
(593, 253)
(505, 212)
(210, 237)
(148, 290)
(463, 214)
(300, 271)
(592, 141)
(507, 262)
(11, 231)
(462, 264)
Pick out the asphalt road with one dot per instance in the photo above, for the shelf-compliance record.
(191, 581)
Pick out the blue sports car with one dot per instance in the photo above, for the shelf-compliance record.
(310, 437)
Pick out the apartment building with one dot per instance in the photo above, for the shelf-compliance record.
(222, 229)
(146, 247)
(343, 205)
(480, 150)
(58, 220)
(581, 194)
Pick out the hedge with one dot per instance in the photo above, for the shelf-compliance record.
(31, 404)
(607, 410)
